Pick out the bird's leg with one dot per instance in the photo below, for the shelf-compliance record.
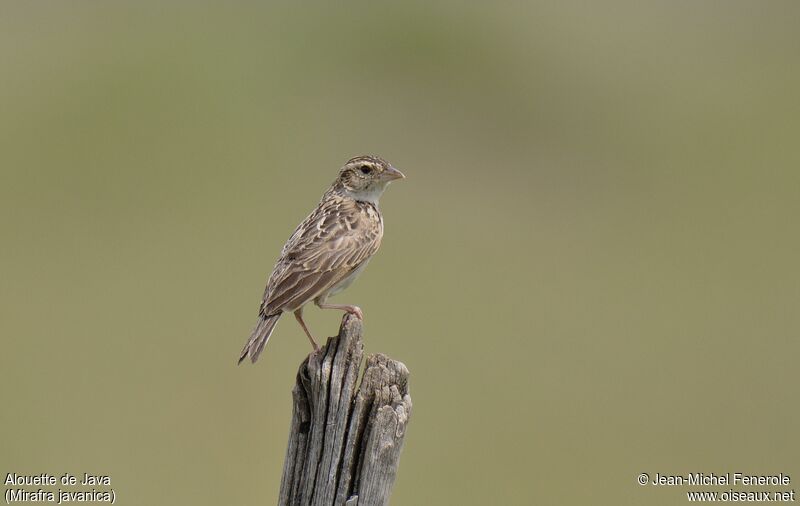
(354, 310)
(299, 315)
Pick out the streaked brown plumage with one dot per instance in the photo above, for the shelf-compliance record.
(328, 249)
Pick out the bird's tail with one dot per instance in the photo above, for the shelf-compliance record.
(259, 337)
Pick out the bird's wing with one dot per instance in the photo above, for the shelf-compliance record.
(337, 237)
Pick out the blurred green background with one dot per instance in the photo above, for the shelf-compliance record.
(591, 269)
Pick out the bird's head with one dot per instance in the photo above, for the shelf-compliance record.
(366, 177)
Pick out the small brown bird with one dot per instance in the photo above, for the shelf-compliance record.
(328, 250)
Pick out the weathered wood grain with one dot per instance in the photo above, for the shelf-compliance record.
(345, 442)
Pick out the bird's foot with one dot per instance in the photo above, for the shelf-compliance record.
(355, 311)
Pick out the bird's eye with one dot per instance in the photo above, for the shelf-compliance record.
(365, 169)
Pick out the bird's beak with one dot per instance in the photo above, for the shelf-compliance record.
(391, 174)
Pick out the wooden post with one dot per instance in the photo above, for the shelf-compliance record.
(344, 442)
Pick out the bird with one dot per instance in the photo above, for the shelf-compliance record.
(327, 251)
